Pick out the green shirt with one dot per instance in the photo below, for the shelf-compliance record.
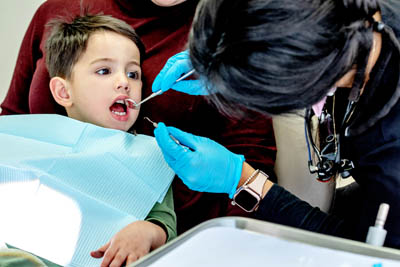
(163, 214)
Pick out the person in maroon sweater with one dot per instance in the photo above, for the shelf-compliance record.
(164, 31)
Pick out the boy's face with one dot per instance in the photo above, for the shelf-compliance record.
(108, 72)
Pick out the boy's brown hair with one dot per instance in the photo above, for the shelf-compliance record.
(68, 40)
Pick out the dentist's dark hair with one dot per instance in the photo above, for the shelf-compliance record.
(277, 56)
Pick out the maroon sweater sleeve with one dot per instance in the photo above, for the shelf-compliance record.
(29, 89)
(17, 98)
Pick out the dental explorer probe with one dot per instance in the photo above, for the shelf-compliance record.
(130, 103)
(155, 124)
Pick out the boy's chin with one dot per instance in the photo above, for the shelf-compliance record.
(121, 128)
(114, 126)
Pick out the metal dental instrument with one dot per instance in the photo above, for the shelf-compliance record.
(130, 103)
(155, 124)
(186, 148)
(184, 76)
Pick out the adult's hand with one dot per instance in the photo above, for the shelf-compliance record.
(207, 166)
(175, 67)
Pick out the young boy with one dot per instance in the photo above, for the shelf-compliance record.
(95, 65)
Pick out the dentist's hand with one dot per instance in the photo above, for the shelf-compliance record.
(175, 67)
(208, 167)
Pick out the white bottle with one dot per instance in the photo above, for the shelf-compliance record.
(376, 234)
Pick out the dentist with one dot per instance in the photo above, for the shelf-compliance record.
(278, 56)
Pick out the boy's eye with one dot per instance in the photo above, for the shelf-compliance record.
(103, 71)
(133, 75)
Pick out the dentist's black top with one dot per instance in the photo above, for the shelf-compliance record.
(373, 145)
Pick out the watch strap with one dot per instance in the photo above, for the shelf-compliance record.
(257, 184)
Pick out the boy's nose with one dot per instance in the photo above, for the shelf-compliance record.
(123, 87)
(122, 83)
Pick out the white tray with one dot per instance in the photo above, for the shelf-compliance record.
(242, 242)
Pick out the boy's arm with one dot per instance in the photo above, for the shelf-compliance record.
(163, 215)
(140, 237)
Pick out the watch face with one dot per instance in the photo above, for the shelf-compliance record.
(246, 200)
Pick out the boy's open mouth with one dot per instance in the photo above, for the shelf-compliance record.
(119, 108)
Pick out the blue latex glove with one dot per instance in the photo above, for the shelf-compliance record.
(207, 167)
(175, 67)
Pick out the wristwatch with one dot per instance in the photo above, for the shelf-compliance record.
(248, 196)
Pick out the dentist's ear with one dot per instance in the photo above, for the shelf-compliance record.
(58, 88)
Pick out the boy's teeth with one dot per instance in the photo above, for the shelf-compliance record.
(120, 101)
(119, 113)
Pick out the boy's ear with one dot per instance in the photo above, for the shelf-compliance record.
(58, 88)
